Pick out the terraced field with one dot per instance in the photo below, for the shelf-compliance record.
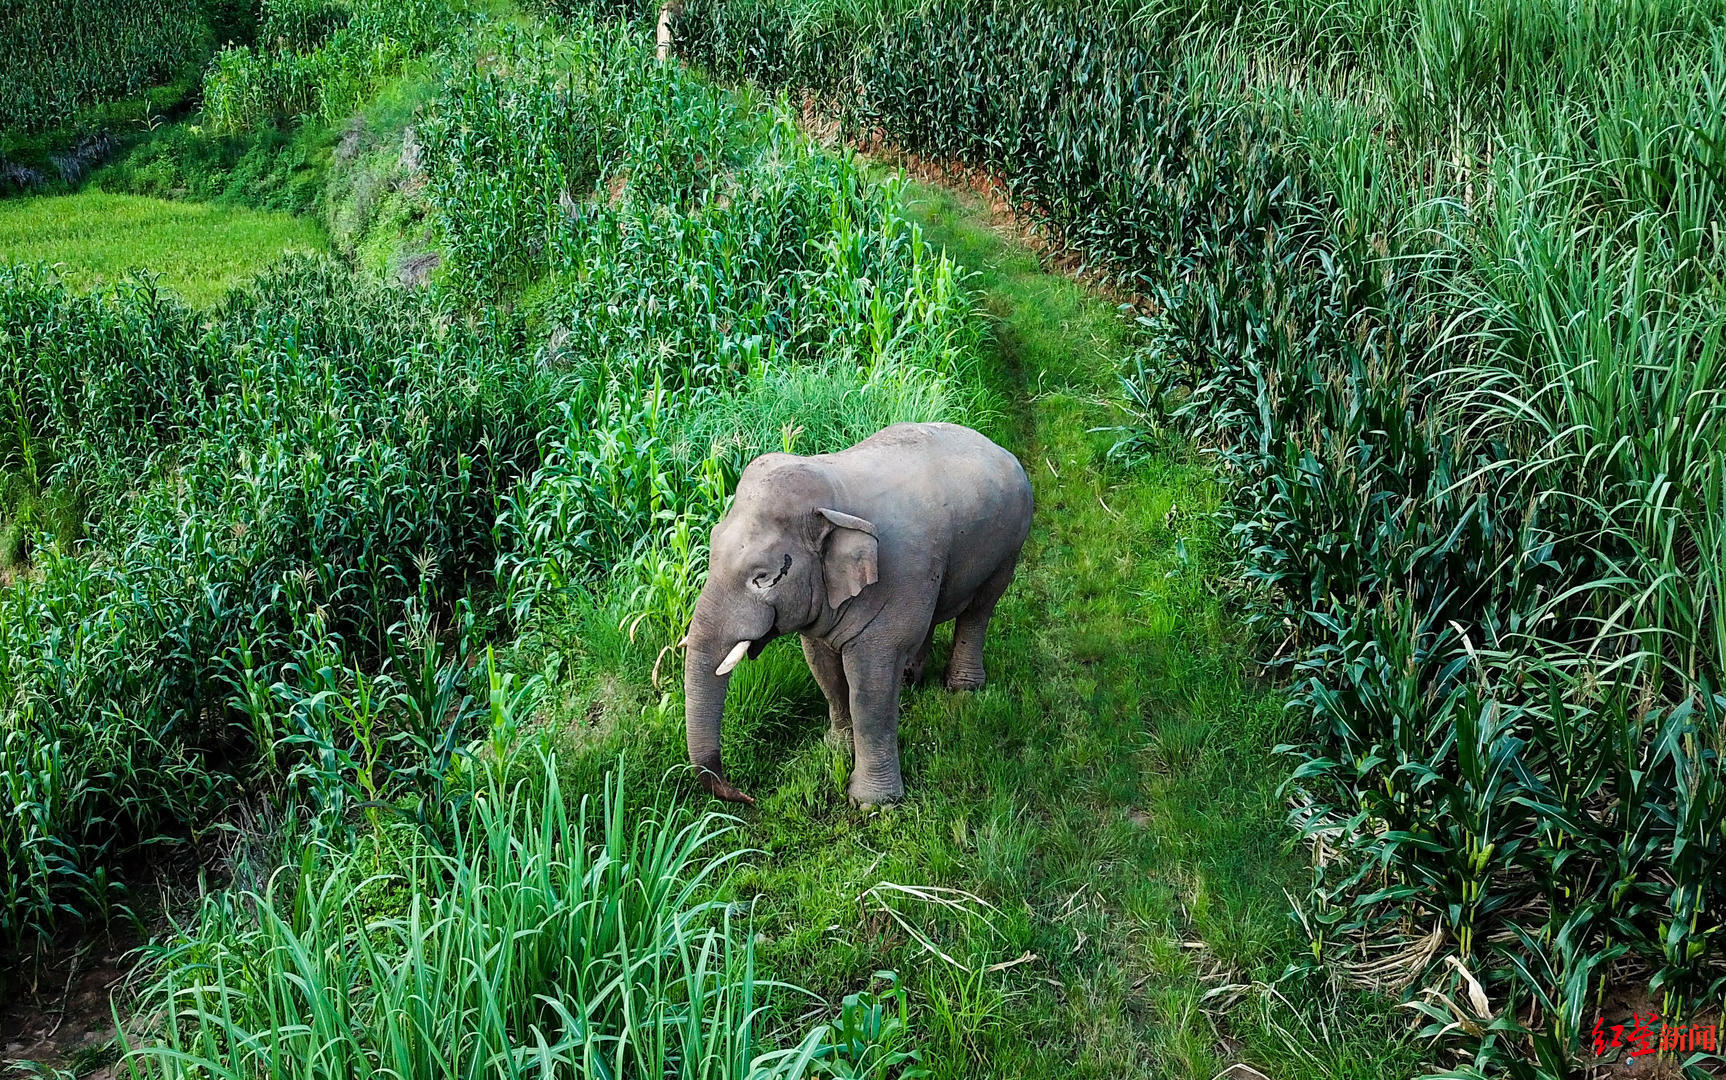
(195, 250)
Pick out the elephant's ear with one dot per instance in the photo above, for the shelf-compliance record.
(849, 555)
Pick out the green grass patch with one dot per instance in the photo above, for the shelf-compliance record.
(197, 250)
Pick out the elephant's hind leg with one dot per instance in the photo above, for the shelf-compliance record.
(965, 667)
(829, 671)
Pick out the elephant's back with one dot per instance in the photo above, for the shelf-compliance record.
(969, 455)
(977, 480)
(953, 443)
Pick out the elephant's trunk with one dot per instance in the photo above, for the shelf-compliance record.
(704, 705)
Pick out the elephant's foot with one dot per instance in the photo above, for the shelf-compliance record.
(875, 787)
(965, 678)
(871, 799)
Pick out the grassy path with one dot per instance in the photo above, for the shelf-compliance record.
(1111, 796)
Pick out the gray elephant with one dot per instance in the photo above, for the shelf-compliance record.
(863, 553)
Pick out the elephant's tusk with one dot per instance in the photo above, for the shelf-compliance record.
(733, 658)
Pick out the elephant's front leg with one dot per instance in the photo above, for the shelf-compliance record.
(829, 672)
(875, 674)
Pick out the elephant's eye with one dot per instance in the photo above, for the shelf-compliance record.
(784, 568)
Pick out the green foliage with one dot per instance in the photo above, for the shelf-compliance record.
(308, 506)
(1112, 793)
(286, 494)
(703, 275)
(372, 201)
(318, 60)
(587, 10)
(266, 169)
(232, 21)
(1439, 284)
(545, 940)
(194, 250)
(27, 512)
(299, 26)
(59, 56)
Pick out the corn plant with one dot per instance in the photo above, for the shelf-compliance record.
(321, 61)
(711, 280)
(276, 493)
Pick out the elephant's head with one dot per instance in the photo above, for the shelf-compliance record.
(783, 559)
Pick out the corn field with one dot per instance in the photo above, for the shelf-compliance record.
(59, 56)
(1439, 284)
(320, 61)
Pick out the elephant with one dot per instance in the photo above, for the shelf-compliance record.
(862, 553)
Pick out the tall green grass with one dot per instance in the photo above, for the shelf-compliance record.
(542, 939)
(518, 934)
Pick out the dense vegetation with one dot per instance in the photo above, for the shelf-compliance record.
(60, 56)
(270, 81)
(257, 552)
(321, 59)
(298, 505)
(1441, 286)
(547, 940)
